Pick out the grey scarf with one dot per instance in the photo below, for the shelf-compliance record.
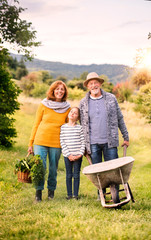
(59, 107)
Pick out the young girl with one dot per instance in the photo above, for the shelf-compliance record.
(73, 147)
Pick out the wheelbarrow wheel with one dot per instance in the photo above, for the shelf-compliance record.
(115, 193)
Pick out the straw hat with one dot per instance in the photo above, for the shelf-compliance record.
(92, 76)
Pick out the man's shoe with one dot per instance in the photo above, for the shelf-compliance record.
(50, 194)
(38, 195)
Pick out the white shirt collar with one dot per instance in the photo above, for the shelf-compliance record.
(96, 97)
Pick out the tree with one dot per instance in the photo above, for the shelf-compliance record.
(62, 78)
(14, 30)
(8, 102)
(83, 76)
(21, 70)
(20, 34)
(107, 86)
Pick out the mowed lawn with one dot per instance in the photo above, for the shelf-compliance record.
(22, 218)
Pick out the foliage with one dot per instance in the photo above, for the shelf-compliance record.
(123, 91)
(9, 92)
(141, 77)
(107, 86)
(14, 30)
(27, 85)
(62, 78)
(39, 90)
(17, 33)
(75, 93)
(34, 165)
(35, 84)
(45, 76)
(83, 75)
(76, 83)
(143, 101)
(16, 69)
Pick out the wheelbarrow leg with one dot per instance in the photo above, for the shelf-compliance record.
(131, 194)
(101, 192)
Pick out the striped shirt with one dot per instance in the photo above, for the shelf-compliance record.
(72, 140)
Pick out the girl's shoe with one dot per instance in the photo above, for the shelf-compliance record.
(69, 197)
(38, 195)
(76, 197)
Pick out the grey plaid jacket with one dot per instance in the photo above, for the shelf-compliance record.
(114, 120)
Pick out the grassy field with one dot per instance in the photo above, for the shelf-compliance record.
(22, 218)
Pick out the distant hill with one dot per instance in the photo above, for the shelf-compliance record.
(115, 72)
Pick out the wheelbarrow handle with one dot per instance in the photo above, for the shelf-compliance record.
(89, 159)
(124, 150)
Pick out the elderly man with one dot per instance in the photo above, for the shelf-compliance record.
(101, 117)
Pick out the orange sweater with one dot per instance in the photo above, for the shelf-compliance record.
(46, 129)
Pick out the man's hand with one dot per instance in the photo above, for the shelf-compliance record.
(125, 143)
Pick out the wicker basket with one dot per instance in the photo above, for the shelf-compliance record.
(24, 177)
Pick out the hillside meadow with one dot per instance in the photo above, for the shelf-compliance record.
(22, 218)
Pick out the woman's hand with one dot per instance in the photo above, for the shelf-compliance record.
(30, 150)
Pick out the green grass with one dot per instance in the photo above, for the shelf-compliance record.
(22, 218)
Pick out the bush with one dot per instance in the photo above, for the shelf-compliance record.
(75, 93)
(141, 77)
(123, 91)
(27, 85)
(76, 83)
(143, 101)
(39, 90)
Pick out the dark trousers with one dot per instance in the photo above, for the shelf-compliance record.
(72, 171)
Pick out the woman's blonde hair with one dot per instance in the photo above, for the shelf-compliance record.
(54, 85)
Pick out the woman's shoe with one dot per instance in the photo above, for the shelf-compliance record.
(50, 194)
(38, 195)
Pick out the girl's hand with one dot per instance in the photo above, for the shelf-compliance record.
(71, 157)
(77, 157)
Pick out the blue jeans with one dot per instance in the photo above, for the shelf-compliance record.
(53, 155)
(97, 150)
(72, 170)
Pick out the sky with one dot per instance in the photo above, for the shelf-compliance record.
(89, 31)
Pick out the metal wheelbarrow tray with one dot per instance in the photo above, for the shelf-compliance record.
(106, 174)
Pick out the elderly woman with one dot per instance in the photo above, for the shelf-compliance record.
(51, 114)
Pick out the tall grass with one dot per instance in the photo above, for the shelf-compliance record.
(22, 218)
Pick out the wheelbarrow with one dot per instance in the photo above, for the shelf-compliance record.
(108, 175)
